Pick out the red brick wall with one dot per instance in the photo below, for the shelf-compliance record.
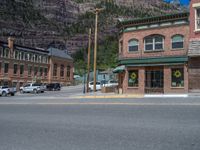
(141, 81)
(167, 80)
(167, 32)
(64, 80)
(193, 34)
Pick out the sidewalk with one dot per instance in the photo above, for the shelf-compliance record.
(100, 95)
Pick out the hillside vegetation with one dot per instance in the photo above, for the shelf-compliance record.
(38, 23)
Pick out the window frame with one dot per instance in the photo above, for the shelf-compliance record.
(137, 45)
(196, 27)
(183, 76)
(62, 71)
(55, 70)
(68, 71)
(7, 70)
(177, 42)
(15, 72)
(21, 72)
(137, 80)
(153, 37)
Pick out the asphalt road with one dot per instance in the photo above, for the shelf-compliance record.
(141, 124)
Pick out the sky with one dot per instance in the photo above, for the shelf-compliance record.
(184, 2)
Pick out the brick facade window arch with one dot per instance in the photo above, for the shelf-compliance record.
(133, 45)
(177, 41)
(154, 42)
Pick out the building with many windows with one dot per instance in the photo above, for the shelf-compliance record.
(20, 65)
(153, 54)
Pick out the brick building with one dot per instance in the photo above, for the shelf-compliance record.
(194, 47)
(153, 54)
(20, 65)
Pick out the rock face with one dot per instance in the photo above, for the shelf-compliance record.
(44, 23)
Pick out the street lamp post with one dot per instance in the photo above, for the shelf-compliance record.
(97, 10)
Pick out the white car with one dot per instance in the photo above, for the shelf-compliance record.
(91, 85)
(5, 90)
(111, 83)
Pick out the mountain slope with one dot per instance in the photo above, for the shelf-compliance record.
(65, 23)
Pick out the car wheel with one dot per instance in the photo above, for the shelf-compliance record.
(4, 93)
(12, 94)
(35, 91)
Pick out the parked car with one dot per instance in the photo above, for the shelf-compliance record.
(111, 83)
(32, 87)
(91, 85)
(53, 87)
(5, 90)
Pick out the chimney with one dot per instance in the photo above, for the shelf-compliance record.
(11, 43)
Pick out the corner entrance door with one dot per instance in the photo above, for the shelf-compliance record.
(154, 81)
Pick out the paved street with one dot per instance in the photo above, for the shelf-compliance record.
(29, 122)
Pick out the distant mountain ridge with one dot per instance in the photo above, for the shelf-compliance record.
(64, 23)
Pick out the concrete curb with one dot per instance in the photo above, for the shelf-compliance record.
(108, 96)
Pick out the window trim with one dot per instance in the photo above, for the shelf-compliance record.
(134, 45)
(14, 69)
(178, 87)
(196, 29)
(172, 42)
(132, 70)
(154, 50)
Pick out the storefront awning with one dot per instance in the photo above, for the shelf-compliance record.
(119, 69)
(154, 61)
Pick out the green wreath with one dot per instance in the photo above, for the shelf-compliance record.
(133, 76)
(177, 74)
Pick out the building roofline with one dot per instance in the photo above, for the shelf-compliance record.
(25, 47)
(154, 19)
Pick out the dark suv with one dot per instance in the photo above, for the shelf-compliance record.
(53, 87)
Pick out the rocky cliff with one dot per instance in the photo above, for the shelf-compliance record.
(64, 23)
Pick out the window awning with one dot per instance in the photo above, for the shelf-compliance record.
(119, 69)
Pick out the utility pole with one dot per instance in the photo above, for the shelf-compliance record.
(88, 65)
(97, 10)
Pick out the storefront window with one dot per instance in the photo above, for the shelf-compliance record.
(177, 77)
(133, 78)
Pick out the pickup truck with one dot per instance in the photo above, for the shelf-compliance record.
(5, 90)
(32, 88)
